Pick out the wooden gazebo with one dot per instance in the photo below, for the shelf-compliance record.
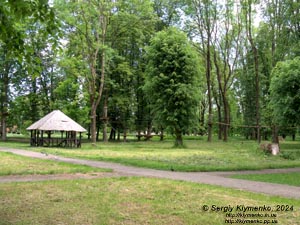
(44, 132)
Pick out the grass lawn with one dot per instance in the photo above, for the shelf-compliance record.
(198, 155)
(280, 178)
(129, 201)
(11, 164)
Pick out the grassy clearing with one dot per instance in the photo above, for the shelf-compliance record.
(17, 165)
(198, 155)
(280, 178)
(127, 201)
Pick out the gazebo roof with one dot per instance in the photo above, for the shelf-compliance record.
(56, 121)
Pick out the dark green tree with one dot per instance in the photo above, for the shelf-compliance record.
(16, 52)
(285, 92)
(172, 82)
(126, 105)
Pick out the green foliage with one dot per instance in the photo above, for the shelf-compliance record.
(12, 17)
(172, 82)
(37, 75)
(285, 95)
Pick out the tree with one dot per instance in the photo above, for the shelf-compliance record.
(248, 17)
(131, 28)
(278, 40)
(8, 69)
(285, 95)
(86, 28)
(15, 51)
(172, 82)
(226, 51)
(204, 15)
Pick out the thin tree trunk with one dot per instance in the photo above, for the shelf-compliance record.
(4, 103)
(226, 119)
(208, 82)
(93, 124)
(105, 121)
(256, 67)
(125, 134)
(220, 131)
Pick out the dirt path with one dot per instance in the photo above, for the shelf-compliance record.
(213, 178)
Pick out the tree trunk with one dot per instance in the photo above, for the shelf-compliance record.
(93, 124)
(3, 127)
(223, 98)
(178, 138)
(4, 101)
(161, 134)
(275, 139)
(226, 118)
(208, 82)
(105, 121)
(256, 66)
(220, 125)
(202, 117)
(125, 134)
(96, 56)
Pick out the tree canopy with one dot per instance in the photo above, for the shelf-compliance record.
(172, 81)
(285, 92)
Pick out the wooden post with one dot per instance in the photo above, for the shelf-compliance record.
(79, 144)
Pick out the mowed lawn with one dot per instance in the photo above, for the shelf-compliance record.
(198, 155)
(277, 178)
(11, 164)
(130, 200)
(124, 200)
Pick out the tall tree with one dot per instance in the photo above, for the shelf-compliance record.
(226, 52)
(280, 26)
(87, 24)
(131, 29)
(248, 18)
(204, 18)
(8, 66)
(13, 35)
(173, 82)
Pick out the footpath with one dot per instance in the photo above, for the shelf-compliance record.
(212, 178)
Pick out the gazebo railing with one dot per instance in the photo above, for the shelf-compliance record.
(69, 140)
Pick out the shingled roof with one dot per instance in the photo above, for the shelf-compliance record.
(56, 121)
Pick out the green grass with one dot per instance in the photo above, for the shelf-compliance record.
(11, 164)
(130, 200)
(198, 155)
(278, 178)
(127, 201)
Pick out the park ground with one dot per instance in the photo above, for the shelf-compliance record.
(77, 194)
